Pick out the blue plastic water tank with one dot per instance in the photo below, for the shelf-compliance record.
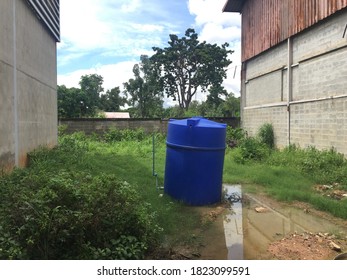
(195, 150)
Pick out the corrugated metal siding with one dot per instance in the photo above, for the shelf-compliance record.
(233, 6)
(265, 23)
(48, 11)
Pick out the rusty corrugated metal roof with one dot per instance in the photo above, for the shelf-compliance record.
(233, 6)
(266, 23)
(117, 115)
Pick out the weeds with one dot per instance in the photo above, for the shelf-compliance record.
(287, 174)
(114, 135)
(73, 216)
(92, 199)
(266, 135)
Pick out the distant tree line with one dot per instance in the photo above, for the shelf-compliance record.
(178, 71)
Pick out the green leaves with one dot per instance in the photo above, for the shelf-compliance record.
(144, 90)
(88, 100)
(72, 215)
(187, 65)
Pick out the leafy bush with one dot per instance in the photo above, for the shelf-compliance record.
(266, 135)
(325, 166)
(250, 148)
(234, 136)
(72, 216)
(115, 135)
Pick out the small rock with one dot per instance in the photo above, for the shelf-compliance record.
(260, 209)
(334, 246)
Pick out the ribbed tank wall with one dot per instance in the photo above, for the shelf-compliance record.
(194, 160)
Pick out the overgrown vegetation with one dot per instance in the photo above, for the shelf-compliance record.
(57, 209)
(93, 198)
(287, 174)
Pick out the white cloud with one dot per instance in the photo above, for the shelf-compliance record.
(81, 27)
(218, 27)
(215, 33)
(207, 11)
(109, 30)
(147, 27)
(102, 28)
(114, 75)
(130, 7)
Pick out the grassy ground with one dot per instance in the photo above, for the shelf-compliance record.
(287, 175)
(292, 181)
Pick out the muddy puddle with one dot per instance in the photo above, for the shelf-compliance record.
(250, 224)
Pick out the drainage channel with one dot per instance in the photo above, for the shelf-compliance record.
(251, 224)
(233, 227)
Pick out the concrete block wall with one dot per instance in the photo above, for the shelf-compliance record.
(277, 116)
(100, 126)
(321, 124)
(316, 111)
(264, 77)
(28, 79)
(323, 76)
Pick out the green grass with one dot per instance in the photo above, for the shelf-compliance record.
(286, 175)
(132, 161)
(292, 178)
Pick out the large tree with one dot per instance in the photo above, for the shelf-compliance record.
(143, 92)
(187, 65)
(111, 101)
(91, 86)
(70, 102)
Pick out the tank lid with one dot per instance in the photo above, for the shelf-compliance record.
(196, 132)
(193, 121)
(197, 122)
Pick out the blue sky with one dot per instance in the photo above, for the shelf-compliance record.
(107, 37)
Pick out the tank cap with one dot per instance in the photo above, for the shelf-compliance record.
(193, 121)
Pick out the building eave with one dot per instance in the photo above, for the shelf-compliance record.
(234, 6)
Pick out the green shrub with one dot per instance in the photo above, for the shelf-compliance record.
(73, 216)
(234, 136)
(266, 135)
(250, 148)
(325, 166)
(62, 129)
(115, 135)
(71, 149)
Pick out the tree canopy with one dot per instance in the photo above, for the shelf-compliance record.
(91, 87)
(88, 100)
(180, 70)
(187, 65)
(112, 101)
(143, 92)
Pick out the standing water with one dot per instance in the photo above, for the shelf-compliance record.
(233, 228)
(251, 224)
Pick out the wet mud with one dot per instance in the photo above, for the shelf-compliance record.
(248, 225)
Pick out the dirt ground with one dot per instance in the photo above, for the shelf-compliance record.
(310, 245)
(307, 246)
(295, 246)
